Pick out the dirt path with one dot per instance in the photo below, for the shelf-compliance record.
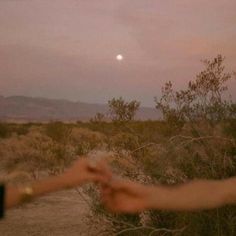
(63, 213)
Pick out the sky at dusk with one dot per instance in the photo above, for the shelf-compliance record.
(67, 48)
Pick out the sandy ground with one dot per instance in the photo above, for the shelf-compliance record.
(62, 213)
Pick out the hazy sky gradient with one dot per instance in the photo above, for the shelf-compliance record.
(67, 48)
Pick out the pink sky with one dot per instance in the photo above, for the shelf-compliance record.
(67, 48)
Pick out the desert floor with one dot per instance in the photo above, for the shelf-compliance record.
(62, 213)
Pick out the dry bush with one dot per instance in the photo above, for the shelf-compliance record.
(200, 150)
(143, 152)
(203, 99)
(58, 132)
(33, 153)
(84, 140)
(40, 151)
(4, 131)
(124, 141)
(123, 165)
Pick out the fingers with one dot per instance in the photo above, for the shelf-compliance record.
(92, 170)
(100, 172)
(112, 195)
(98, 166)
(104, 169)
(117, 195)
(108, 199)
(99, 179)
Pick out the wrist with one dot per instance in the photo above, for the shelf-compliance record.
(26, 194)
(51, 184)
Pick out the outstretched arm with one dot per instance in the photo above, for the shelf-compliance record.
(125, 196)
(81, 172)
(195, 195)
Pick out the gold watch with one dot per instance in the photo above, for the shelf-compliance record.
(26, 194)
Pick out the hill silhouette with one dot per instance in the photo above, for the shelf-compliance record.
(22, 108)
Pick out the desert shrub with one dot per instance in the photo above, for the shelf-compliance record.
(120, 110)
(230, 128)
(125, 224)
(85, 140)
(106, 128)
(4, 132)
(124, 141)
(58, 132)
(98, 118)
(117, 222)
(33, 153)
(206, 223)
(20, 129)
(8, 129)
(204, 147)
(201, 151)
(202, 100)
(19, 153)
(188, 156)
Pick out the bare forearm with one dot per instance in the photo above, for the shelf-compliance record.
(79, 173)
(14, 194)
(196, 195)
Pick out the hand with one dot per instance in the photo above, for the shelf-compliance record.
(82, 171)
(125, 196)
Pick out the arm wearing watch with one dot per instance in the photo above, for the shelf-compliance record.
(78, 174)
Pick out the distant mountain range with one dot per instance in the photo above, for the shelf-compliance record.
(29, 109)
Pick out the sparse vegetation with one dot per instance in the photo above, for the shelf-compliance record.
(120, 110)
(204, 98)
(98, 118)
(197, 139)
(3, 131)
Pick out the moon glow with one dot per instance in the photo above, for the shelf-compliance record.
(119, 57)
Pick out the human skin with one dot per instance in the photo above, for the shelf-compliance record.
(128, 197)
(78, 174)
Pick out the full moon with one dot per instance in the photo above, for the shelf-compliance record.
(119, 57)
